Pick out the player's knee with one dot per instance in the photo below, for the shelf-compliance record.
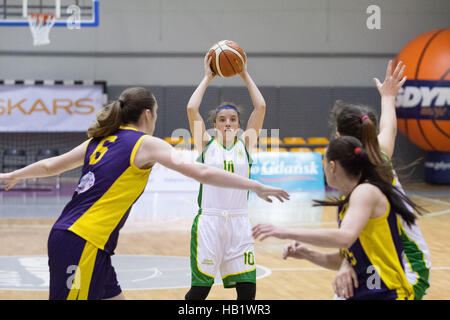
(197, 293)
(246, 290)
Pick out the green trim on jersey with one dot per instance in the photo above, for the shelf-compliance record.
(201, 159)
(249, 157)
(385, 156)
(414, 256)
(228, 149)
(416, 261)
(250, 162)
(199, 278)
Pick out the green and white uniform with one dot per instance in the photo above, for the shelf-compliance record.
(221, 235)
(416, 254)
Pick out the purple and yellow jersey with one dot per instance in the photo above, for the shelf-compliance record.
(110, 184)
(376, 258)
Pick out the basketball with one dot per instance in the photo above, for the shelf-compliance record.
(423, 103)
(227, 58)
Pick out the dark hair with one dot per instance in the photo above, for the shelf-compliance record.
(127, 109)
(212, 115)
(355, 161)
(360, 121)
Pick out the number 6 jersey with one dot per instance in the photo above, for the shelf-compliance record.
(109, 185)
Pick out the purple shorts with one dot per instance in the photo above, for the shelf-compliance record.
(78, 269)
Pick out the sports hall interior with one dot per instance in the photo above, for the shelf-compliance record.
(303, 55)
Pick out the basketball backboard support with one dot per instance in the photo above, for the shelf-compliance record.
(14, 13)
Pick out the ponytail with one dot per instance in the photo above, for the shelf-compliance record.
(369, 140)
(355, 161)
(128, 109)
(109, 119)
(359, 121)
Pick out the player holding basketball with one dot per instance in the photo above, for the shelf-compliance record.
(368, 235)
(116, 161)
(221, 238)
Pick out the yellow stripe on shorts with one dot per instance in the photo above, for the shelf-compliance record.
(83, 275)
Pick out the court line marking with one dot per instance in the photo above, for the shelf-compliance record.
(436, 213)
(266, 272)
(323, 269)
(431, 199)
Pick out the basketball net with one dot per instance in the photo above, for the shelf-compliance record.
(40, 26)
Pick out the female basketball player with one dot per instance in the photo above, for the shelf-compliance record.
(368, 234)
(116, 161)
(360, 122)
(221, 239)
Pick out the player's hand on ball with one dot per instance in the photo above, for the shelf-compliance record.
(244, 67)
(296, 250)
(393, 80)
(10, 181)
(267, 230)
(207, 66)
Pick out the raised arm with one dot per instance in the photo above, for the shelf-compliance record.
(388, 119)
(47, 167)
(256, 120)
(156, 150)
(196, 122)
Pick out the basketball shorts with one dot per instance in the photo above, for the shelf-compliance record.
(222, 242)
(78, 269)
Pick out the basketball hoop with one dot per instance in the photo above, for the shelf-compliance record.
(40, 26)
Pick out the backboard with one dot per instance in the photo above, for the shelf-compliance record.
(15, 12)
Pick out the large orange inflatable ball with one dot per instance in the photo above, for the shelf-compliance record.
(423, 104)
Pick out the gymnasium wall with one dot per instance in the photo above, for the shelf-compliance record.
(289, 42)
(291, 111)
(294, 111)
(304, 54)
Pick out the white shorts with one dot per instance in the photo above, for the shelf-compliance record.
(222, 242)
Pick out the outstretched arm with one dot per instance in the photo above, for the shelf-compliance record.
(328, 260)
(361, 204)
(47, 167)
(154, 150)
(196, 123)
(256, 120)
(388, 119)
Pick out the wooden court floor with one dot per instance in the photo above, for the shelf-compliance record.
(290, 279)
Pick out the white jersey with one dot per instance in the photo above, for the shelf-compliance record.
(234, 159)
(221, 235)
(416, 254)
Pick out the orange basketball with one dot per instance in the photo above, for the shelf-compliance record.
(227, 58)
(423, 104)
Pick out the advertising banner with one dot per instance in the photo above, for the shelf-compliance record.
(292, 171)
(41, 108)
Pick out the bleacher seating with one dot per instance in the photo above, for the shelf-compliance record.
(294, 140)
(300, 150)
